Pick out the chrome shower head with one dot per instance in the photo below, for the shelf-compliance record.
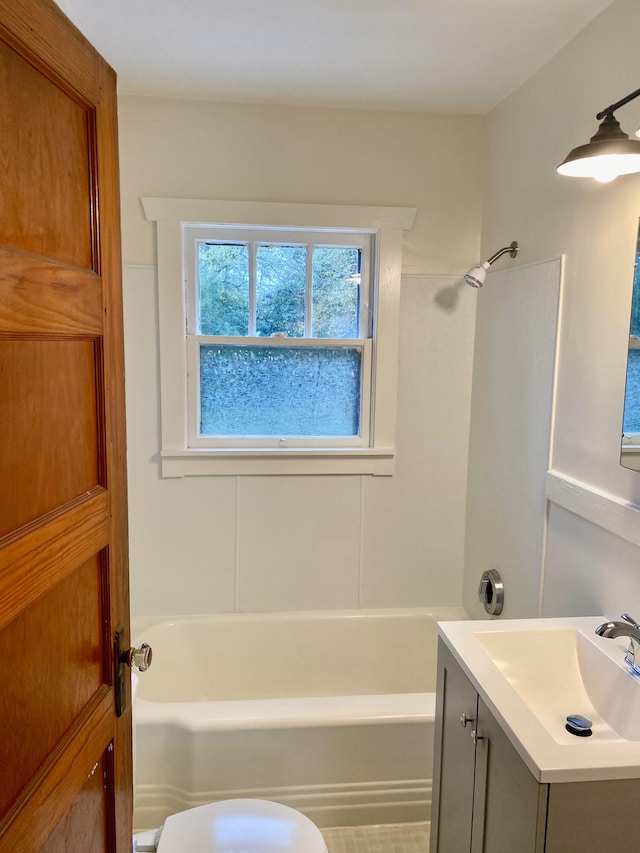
(476, 276)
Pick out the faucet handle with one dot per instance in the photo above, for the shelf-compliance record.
(629, 619)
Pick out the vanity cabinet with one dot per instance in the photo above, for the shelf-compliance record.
(486, 800)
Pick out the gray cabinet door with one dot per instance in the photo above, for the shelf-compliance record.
(452, 807)
(509, 805)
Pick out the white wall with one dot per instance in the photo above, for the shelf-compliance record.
(223, 544)
(588, 568)
(192, 149)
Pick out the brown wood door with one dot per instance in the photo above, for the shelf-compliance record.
(65, 758)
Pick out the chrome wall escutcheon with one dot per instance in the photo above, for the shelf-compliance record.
(491, 592)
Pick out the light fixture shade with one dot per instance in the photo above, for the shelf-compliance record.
(609, 153)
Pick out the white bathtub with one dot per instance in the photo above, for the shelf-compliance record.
(328, 712)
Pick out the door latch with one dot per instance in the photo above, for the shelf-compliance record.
(123, 658)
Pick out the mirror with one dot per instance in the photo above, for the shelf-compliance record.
(630, 449)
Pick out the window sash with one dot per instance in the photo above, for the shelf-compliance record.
(195, 439)
(253, 238)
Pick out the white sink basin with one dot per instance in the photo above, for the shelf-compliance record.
(534, 673)
(563, 671)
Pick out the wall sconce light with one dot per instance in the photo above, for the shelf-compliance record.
(609, 153)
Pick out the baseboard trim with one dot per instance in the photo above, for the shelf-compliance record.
(351, 804)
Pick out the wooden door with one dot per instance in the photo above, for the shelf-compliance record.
(65, 758)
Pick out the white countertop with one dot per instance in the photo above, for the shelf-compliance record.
(551, 753)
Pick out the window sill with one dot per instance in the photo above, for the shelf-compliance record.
(217, 462)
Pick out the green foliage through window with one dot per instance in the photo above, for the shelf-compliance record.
(281, 283)
(280, 290)
(223, 272)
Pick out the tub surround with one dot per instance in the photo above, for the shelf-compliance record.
(512, 418)
(350, 541)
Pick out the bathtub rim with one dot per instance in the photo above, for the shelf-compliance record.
(441, 613)
(251, 714)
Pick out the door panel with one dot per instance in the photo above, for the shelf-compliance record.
(50, 441)
(46, 204)
(83, 826)
(77, 645)
(65, 757)
(52, 790)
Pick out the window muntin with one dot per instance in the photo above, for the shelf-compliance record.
(306, 293)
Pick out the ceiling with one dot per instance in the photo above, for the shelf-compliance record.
(457, 56)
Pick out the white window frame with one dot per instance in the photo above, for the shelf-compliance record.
(179, 453)
(193, 237)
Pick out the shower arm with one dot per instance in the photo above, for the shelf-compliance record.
(512, 250)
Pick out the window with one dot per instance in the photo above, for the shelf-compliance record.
(278, 336)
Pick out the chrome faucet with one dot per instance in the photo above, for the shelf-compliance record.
(628, 628)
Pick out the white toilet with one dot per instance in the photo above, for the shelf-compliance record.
(230, 826)
(237, 826)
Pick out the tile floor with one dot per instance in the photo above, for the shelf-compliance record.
(386, 838)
